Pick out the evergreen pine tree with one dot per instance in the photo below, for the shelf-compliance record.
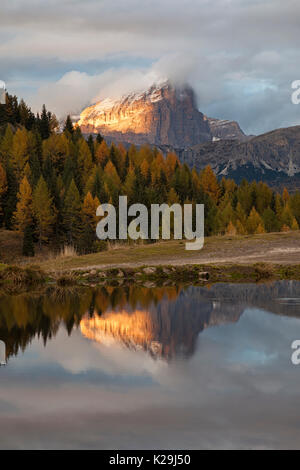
(99, 139)
(90, 142)
(44, 124)
(72, 214)
(43, 211)
(69, 125)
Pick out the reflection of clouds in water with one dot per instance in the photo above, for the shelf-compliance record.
(76, 354)
(112, 397)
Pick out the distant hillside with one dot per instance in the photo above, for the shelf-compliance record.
(273, 157)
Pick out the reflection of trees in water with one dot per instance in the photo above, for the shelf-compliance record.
(163, 321)
(2, 353)
(26, 316)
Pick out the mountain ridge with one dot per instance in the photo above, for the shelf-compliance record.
(277, 151)
(223, 129)
(162, 115)
(168, 117)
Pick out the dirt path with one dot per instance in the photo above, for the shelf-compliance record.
(282, 248)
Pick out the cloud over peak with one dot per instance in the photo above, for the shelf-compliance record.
(239, 55)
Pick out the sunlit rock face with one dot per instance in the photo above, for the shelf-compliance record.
(149, 330)
(162, 115)
(135, 330)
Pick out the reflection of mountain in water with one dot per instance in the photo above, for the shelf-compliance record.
(281, 297)
(171, 328)
(165, 322)
(168, 329)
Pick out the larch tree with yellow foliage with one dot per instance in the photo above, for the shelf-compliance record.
(43, 210)
(3, 186)
(210, 183)
(24, 212)
(231, 230)
(254, 222)
(85, 163)
(89, 223)
(89, 208)
(102, 153)
(285, 196)
(295, 225)
(20, 151)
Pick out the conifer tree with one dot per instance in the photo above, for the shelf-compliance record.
(85, 162)
(295, 225)
(285, 196)
(241, 230)
(98, 187)
(91, 145)
(286, 215)
(20, 152)
(43, 211)
(240, 214)
(128, 187)
(260, 229)
(231, 230)
(99, 139)
(45, 123)
(24, 212)
(173, 197)
(6, 144)
(89, 220)
(3, 187)
(57, 149)
(10, 197)
(295, 205)
(271, 221)
(244, 196)
(68, 127)
(210, 183)
(101, 153)
(72, 214)
(254, 221)
(111, 174)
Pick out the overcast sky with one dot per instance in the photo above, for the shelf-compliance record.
(241, 56)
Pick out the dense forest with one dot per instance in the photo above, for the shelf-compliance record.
(52, 181)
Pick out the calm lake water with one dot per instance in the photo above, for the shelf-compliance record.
(129, 368)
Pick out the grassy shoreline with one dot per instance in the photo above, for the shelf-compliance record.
(256, 258)
(15, 279)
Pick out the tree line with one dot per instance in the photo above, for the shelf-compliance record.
(52, 181)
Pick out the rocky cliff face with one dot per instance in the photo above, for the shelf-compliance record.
(163, 115)
(168, 118)
(221, 129)
(273, 157)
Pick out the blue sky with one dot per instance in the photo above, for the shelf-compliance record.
(241, 56)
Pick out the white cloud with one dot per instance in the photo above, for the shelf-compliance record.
(218, 46)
